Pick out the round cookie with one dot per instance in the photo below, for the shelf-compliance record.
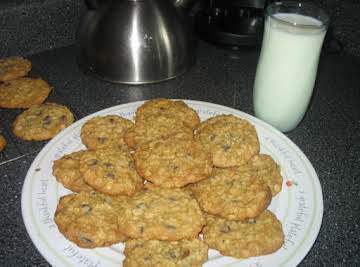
(156, 127)
(244, 239)
(67, 172)
(232, 141)
(23, 93)
(264, 167)
(175, 109)
(232, 195)
(111, 171)
(89, 219)
(13, 67)
(107, 131)
(173, 162)
(162, 214)
(149, 253)
(42, 122)
(2, 142)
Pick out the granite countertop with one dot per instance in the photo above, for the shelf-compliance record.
(329, 136)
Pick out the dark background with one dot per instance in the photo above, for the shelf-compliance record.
(30, 26)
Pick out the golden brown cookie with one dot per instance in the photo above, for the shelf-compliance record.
(264, 167)
(244, 239)
(156, 127)
(162, 214)
(107, 131)
(13, 67)
(170, 108)
(42, 122)
(149, 253)
(232, 141)
(173, 162)
(23, 93)
(67, 172)
(232, 195)
(111, 171)
(89, 219)
(2, 142)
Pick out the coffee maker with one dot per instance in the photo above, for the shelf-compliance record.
(231, 23)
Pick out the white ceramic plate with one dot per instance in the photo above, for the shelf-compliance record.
(299, 205)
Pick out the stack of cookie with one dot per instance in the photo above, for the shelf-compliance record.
(40, 121)
(170, 187)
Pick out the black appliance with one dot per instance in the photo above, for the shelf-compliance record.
(231, 23)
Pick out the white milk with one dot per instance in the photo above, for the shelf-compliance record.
(286, 70)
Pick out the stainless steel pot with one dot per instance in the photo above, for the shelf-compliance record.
(136, 41)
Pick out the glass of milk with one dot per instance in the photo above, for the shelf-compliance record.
(286, 71)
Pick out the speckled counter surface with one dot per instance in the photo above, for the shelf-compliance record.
(329, 136)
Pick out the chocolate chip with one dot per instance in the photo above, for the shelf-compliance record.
(63, 119)
(225, 229)
(226, 147)
(109, 165)
(92, 162)
(185, 253)
(110, 175)
(102, 140)
(212, 137)
(86, 208)
(47, 120)
(172, 254)
(85, 239)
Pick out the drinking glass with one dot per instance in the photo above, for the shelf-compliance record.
(293, 36)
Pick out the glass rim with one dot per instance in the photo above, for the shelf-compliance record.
(324, 20)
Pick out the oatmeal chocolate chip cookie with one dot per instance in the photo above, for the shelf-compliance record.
(244, 239)
(173, 162)
(149, 253)
(2, 142)
(107, 131)
(232, 195)
(175, 109)
(67, 172)
(13, 67)
(111, 171)
(89, 219)
(23, 93)
(264, 167)
(42, 122)
(156, 127)
(231, 140)
(161, 214)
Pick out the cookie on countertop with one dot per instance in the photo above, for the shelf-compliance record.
(106, 131)
(23, 93)
(42, 122)
(13, 68)
(171, 108)
(67, 172)
(173, 162)
(149, 253)
(156, 127)
(243, 239)
(89, 219)
(232, 195)
(161, 214)
(232, 141)
(111, 171)
(2, 142)
(264, 167)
